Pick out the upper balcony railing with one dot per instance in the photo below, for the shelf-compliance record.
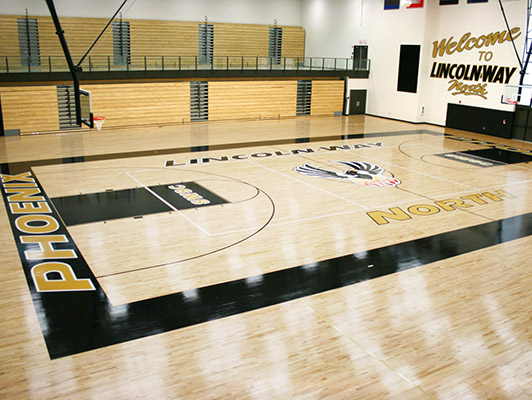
(14, 65)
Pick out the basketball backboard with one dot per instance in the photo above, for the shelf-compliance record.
(86, 108)
(517, 94)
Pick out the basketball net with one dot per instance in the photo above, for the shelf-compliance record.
(98, 122)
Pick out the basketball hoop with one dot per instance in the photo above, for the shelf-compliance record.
(516, 95)
(98, 121)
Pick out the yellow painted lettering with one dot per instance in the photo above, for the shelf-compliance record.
(192, 196)
(200, 201)
(462, 41)
(23, 177)
(24, 194)
(439, 47)
(470, 43)
(423, 209)
(495, 37)
(19, 185)
(38, 223)
(480, 42)
(176, 187)
(47, 250)
(382, 217)
(475, 198)
(68, 281)
(452, 204)
(30, 208)
(451, 48)
(497, 195)
(514, 33)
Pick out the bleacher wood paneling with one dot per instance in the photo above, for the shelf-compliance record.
(30, 108)
(150, 38)
(251, 99)
(327, 97)
(293, 44)
(9, 45)
(80, 33)
(131, 104)
(241, 40)
(172, 38)
(126, 104)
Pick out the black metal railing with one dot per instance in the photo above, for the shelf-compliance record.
(13, 64)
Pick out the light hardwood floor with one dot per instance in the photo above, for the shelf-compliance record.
(456, 327)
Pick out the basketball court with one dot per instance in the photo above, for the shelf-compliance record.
(341, 256)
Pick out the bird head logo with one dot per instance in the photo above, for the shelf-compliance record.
(359, 173)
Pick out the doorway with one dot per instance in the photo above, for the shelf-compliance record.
(357, 102)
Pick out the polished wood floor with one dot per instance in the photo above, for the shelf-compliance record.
(458, 326)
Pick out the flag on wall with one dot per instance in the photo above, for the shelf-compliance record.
(448, 2)
(415, 4)
(391, 4)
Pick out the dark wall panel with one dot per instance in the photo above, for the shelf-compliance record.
(480, 120)
(408, 68)
(522, 124)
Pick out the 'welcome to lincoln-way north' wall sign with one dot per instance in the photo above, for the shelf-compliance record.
(467, 79)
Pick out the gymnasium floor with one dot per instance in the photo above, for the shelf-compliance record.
(309, 258)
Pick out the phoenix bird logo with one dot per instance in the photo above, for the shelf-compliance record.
(359, 173)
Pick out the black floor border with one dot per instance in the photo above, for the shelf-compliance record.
(75, 322)
(94, 323)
